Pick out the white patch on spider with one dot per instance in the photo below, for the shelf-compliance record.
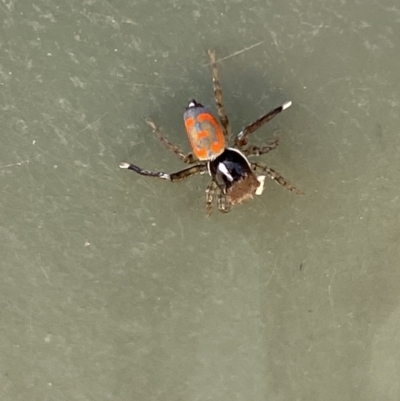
(124, 165)
(222, 168)
(261, 180)
(286, 105)
(192, 104)
(240, 135)
(165, 176)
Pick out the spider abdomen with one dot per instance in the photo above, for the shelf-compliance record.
(204, 132)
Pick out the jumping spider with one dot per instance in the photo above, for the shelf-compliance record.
(233, 176)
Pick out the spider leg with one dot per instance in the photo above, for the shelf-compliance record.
(274, 175)
(241, 138)
(189, 158)
(210, 193)
(180, 175)
(224, 204)
(218, 96)
(257, 150)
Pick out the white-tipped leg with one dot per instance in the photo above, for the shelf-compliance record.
(241, 137)
(286, 105)
(180, 175)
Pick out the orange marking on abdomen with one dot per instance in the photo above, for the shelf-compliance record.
(218, 145)
(202, 134)
(207, 117)
(201, 153)
(189, 122)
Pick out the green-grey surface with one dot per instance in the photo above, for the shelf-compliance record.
(117, 287)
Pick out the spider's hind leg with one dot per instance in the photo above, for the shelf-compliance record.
(189, 158)
(218, 96)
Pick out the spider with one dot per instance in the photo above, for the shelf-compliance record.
(233, 176)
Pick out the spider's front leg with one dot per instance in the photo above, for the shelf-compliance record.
(178, 176)
(241, 138)
(210, 193)
(274, 175)
(224, 203)
(188, 159)
(218, 96)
